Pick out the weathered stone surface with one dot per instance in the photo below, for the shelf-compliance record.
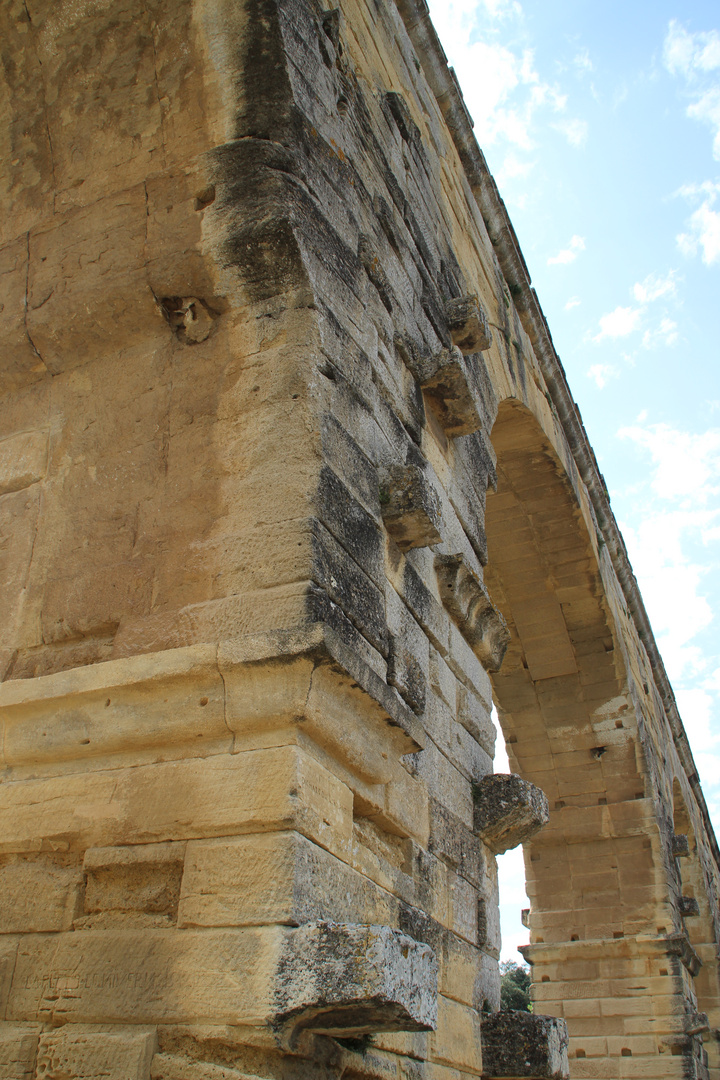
(95, 1055)
(18, 1050)
(410, 508)
(521, 1044)
(689, 907)
(444, 379)
(242, 705)
(680, 846)
(469, 603)
(348, 980)
(508, 811)
(468, 324)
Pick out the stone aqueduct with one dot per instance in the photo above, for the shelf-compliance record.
(288, 463)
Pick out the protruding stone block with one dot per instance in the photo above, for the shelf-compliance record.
(697, 1023)
(343, 979)
(468, 324)
(689, 907)
(680, 846)
(508, 811)
(468, 602)
(444, 378)
(410, 508)
(523, 1044)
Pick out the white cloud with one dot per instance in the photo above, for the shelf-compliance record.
(672, 515)
(582, 61)
(695, 57)
(654, 287)
(573, 302)
(568, 254)
(665, 334)
(619, 323)
(689, 54)
(704, 224)
(685, 463)
(601, 373)
(502, 88)
(575, 131)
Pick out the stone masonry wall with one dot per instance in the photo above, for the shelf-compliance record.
(291, 489)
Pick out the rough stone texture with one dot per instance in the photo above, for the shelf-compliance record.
(252, 264)
(468, 324)
(348, 980)
(467, 600)
(519, 1044)
(508, 811)
(410, 508)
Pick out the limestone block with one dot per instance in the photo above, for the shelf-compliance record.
(410, 508)
(20, 363)
(443, 377)
(38, 893)
(457, 1041)
(520, 1044)
(275, 878)
(221, 794)
(469, 604)
(345, 979)
(91, 260)
(139, 877)
(23, 460)
(130, 704)
(468, 324)
(406, 675)
(175, 1067)
(689, 907)
(18, 1051)
(146, 976)
(95, 1055)
(508, 810)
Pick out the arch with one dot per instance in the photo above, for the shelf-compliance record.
(602, 915)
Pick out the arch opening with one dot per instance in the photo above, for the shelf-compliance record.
(595, 875)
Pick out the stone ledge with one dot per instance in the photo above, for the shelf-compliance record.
(508, 810)
(522, 1044)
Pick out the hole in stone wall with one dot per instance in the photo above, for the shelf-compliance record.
(545, 978)
(205, 197)
(625, 1052)
(579, 1053)
(574, 937)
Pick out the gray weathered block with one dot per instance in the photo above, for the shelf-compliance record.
(443, 377)
(468, 325)
(523, 1044)
(508, 810)
(680, 846)
(410, 508)
(468, 602)
(345, 979)
(689, 907)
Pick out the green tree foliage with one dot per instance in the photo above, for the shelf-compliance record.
(515, 986)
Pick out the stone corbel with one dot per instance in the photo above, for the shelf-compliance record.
(443, 377)
(345, 980)
(680, 846)
(468, 325)
(410, 508)
(508, 810)
(689, 907)
(469, 604)
(523, 1044)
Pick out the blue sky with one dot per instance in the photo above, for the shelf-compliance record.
(601, 125)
